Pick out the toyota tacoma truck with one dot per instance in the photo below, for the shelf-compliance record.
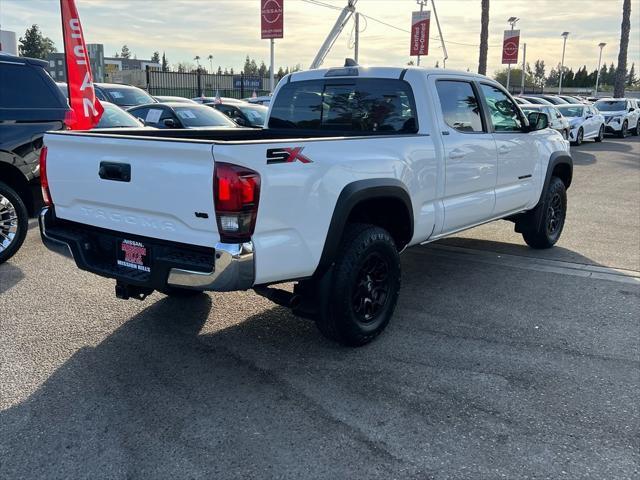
(353, 166)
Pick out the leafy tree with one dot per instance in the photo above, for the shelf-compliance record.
(155, 57)
(226, 72)
(621, 72)
(219, 72)
(280, 73)
(263, 71)
(611, 74)
(125, 52)
(231, 72)
(165, 63)
(34, 44)
(437, 65)
(515, 79)
(539, 73)
(631, 78)
(484, 37)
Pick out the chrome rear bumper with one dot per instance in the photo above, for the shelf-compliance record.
(233, 267)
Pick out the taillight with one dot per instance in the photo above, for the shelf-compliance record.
(69, 119)
(236, 192)
(44, 181)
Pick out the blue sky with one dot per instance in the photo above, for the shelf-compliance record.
(229, 29)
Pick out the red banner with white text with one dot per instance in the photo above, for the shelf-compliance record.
(272, 18)
(420, 33)
(510, 46)
(82, 96)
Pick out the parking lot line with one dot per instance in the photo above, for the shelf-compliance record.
(537, 264)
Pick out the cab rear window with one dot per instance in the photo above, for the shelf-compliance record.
(359, 106)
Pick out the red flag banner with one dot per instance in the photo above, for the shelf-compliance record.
(510, 46)
(272, 18)
(420, 33)
(82, 96)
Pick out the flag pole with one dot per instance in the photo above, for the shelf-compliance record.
(64, 46)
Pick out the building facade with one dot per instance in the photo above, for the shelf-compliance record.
(103, 68)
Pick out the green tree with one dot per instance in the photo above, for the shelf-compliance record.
(539, 73)
(125, 52)
(484, 38)
(621, 72)
(631, 78)
(34, 44)
(165, 63)
(219, 72)
(611, 74)
(155, 57)
(263, 71)
(516, 77)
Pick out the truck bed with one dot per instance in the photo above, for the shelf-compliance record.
(224, 135)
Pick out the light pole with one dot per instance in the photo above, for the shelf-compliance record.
(601, 45)
(421, 3)
(512, 21)
(564, 35)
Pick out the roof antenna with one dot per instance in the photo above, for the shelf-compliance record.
(350, 62)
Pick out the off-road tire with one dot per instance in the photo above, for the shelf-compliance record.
(551, 213)
(6, 218)
(344, 320)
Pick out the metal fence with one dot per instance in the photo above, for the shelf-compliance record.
(205, 84)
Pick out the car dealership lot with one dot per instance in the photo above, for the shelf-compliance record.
(501, 361)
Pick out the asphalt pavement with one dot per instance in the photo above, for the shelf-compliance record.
(500, 362)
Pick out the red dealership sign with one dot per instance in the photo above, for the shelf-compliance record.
(510, 46)
(272, 18)
(82, 96)
(420, 33)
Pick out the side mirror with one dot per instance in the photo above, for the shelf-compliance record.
(589, 115)
(240, 121)
(632, 110)
(169, 123)
(537, 121)
(141, 120)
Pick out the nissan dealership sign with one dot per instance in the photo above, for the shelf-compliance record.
(272, 18)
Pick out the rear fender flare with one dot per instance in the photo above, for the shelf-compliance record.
(350, 196)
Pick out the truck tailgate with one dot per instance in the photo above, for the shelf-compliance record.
(168, 194)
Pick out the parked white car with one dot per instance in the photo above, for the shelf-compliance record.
(353, 166)
(557, 121)
(585, 121)
(621, 115)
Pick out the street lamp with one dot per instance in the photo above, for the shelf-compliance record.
(601, 45)
(564, 35)
(512, 21)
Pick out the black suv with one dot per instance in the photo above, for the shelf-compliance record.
(30, 104)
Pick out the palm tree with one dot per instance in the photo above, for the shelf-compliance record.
(484, 37)
(621, 72)
(210, 58)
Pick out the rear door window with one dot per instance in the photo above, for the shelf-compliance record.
(384, 106)
(22, 86)
(460, 106)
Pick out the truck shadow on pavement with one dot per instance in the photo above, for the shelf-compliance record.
(475, 377)
(10, 275)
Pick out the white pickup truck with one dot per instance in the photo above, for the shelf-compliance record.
(355, 165)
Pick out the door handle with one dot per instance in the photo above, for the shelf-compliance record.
(456, 153)
(503, 149)
(118, 172)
